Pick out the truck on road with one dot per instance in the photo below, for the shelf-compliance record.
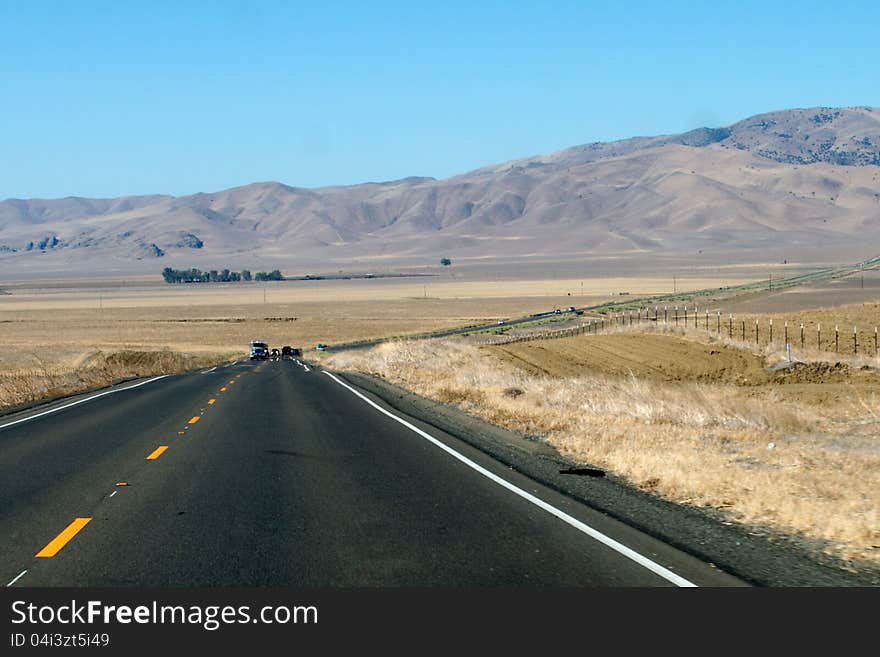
(259, 350)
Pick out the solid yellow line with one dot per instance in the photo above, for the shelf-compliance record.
(55, 545)
(211, 401)
(194, 419)
(157, 452)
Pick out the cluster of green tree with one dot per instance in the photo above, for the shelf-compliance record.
(273, 275)
(214, 276)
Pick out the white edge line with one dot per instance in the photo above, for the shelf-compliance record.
(20, 575)
(210, 370)
(655, 568)
(80, 401)
(306, 368)
(113, 493)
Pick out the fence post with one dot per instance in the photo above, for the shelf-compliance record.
(875, 340)
(855, 340)
(770, 339)
(744, 330)
(786, 331)
(665, 314)
(676, 315)
(718, 322)
(756, 331)
(836, 339)
(730, 326)
(707, 321)
(818, 336)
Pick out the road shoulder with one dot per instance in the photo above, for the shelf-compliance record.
(759, 559)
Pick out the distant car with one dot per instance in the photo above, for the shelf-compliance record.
(500, 322)
(571, 309)
(557, 312)
(259, 350)
(286, 352)
(295, 351)
(321, 347)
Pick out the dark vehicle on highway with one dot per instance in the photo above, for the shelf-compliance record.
(321, 347)
(276, 355)
(286, 352)
(296, 352)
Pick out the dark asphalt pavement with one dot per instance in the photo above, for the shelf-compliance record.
(290, 478)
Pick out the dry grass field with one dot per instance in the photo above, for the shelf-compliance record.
(697, 420)
(57, 336)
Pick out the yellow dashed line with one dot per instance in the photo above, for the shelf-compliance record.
(194, 419)
(157, 452)
(55, 545)
(211, 402)
(223, 389)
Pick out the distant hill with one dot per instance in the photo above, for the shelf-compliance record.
(790, 179)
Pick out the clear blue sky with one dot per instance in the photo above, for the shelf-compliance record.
(113, 98)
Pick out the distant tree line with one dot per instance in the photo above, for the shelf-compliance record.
(217, 276)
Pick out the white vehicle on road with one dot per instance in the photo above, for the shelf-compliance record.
(259, 350)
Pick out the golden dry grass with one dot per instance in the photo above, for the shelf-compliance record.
(805, 470)
(52, 337)
(90, 295)
(48, 378)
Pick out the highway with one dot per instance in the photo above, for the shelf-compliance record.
(283, 474)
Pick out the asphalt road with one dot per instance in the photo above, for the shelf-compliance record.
(290, 477)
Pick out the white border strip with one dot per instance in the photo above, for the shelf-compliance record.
(80, 401)
(655, 568)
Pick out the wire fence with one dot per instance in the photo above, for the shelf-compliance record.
(830, 338)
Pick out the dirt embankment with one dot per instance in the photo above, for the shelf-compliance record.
(670, 358)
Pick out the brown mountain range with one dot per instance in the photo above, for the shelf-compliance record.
(785, 182)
